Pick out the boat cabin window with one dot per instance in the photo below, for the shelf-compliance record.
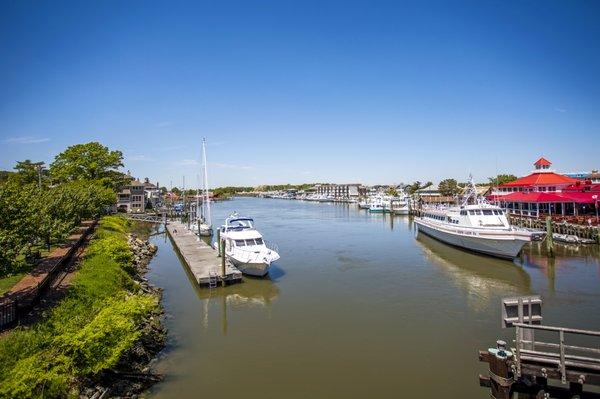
(239, 243)
(463, 213)
(250, 242)
(471, 212)
(487, 212)
(259, 241)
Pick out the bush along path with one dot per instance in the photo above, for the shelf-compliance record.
(100, 339)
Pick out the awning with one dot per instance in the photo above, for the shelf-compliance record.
(541, 197)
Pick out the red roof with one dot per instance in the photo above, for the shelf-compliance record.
(542, 162)
(580, 198)
(541, 179)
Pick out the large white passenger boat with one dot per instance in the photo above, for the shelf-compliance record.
(475, 225)
(245, 248)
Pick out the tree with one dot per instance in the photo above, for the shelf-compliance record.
(90, 161)
(413, 188)
(30, 172)
(392, 192)
(449, 187)
(501, 179)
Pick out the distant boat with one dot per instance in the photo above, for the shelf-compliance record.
(245, 247)
(479, 227)
(378, 205)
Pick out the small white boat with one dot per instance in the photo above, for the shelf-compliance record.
(245, 247)
(399, 205)
(378, 205)
(571, 239)
(364, 204)
(479, 227)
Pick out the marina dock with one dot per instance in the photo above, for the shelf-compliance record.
(202, 260)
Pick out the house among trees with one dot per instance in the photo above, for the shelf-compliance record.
(136, 196)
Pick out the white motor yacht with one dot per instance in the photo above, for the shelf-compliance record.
(477, 226)
(245, 247)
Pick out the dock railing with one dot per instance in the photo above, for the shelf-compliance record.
(556, 355)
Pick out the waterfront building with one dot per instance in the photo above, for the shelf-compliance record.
(152, 193)
(545, 192)
(340, 191)
(132, 197)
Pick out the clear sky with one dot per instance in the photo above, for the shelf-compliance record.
(304, 91)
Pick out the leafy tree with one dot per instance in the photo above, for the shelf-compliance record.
(413, 188)
(449, 187)
(176, 190)
(501, 179)
(90, 161)
(30, 172)
(392, 192)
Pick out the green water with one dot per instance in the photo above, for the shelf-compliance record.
(356, 307)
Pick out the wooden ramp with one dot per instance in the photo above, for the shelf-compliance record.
(200, 258)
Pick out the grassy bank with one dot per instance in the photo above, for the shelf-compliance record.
(88, 332)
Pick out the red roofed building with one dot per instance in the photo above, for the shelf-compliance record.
(544, 192)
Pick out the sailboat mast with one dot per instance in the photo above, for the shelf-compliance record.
(208, 220)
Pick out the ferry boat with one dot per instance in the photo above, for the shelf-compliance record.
(245, 247)
(479, 227)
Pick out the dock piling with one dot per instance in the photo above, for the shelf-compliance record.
(549, 238)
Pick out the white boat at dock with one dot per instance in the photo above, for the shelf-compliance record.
(245, 247)
(204, 219)
(479, 227)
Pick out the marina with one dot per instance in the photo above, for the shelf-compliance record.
(345, 277)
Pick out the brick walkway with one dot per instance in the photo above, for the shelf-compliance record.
(27, 290)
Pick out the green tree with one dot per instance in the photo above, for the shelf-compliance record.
(90, 161)
(413, 188)
(449, 187)
(392, 192)
(30, 172)
(501, 179)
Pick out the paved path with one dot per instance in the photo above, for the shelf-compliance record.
(201, 259)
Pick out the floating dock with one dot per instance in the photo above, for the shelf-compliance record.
(202, 260)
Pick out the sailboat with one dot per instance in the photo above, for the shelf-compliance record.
(204, 221)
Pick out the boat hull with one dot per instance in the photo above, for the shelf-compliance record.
(400, 211)
(507, 247)
(256, 269)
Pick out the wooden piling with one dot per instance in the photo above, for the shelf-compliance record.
(549, 238)
(223, 272)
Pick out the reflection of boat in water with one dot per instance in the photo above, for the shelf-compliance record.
(250, 293)
(483, 277)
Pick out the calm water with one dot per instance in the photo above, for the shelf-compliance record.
(356, 307)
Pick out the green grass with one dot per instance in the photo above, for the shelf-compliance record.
(87, 332)
(7, 283)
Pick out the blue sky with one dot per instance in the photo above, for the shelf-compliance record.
(304, 91)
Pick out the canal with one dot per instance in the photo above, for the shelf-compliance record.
(356, 307)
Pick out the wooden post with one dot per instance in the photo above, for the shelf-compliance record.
(223, 262)
(219, 242)
(549, 239)
(500, 376)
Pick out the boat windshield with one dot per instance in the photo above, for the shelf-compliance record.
(240, 224)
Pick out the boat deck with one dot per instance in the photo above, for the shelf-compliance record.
(202, 260)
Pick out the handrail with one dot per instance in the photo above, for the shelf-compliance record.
(557, 329)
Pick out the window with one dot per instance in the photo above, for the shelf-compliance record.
(240, 243)
(259, 241)
(477, 212)
(487, 212)
(249, 242)
(471, 212)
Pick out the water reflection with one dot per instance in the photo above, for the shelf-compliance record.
(483, 278)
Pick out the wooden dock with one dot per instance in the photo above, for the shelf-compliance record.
(202, 260)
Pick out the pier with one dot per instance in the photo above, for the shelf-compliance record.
(201, 259)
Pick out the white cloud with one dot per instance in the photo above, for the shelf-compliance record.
(558, 109)
(187, 162)
(140, 157)
(27, 140)
(231, 166)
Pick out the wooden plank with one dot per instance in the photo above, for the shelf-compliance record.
(200, 258)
